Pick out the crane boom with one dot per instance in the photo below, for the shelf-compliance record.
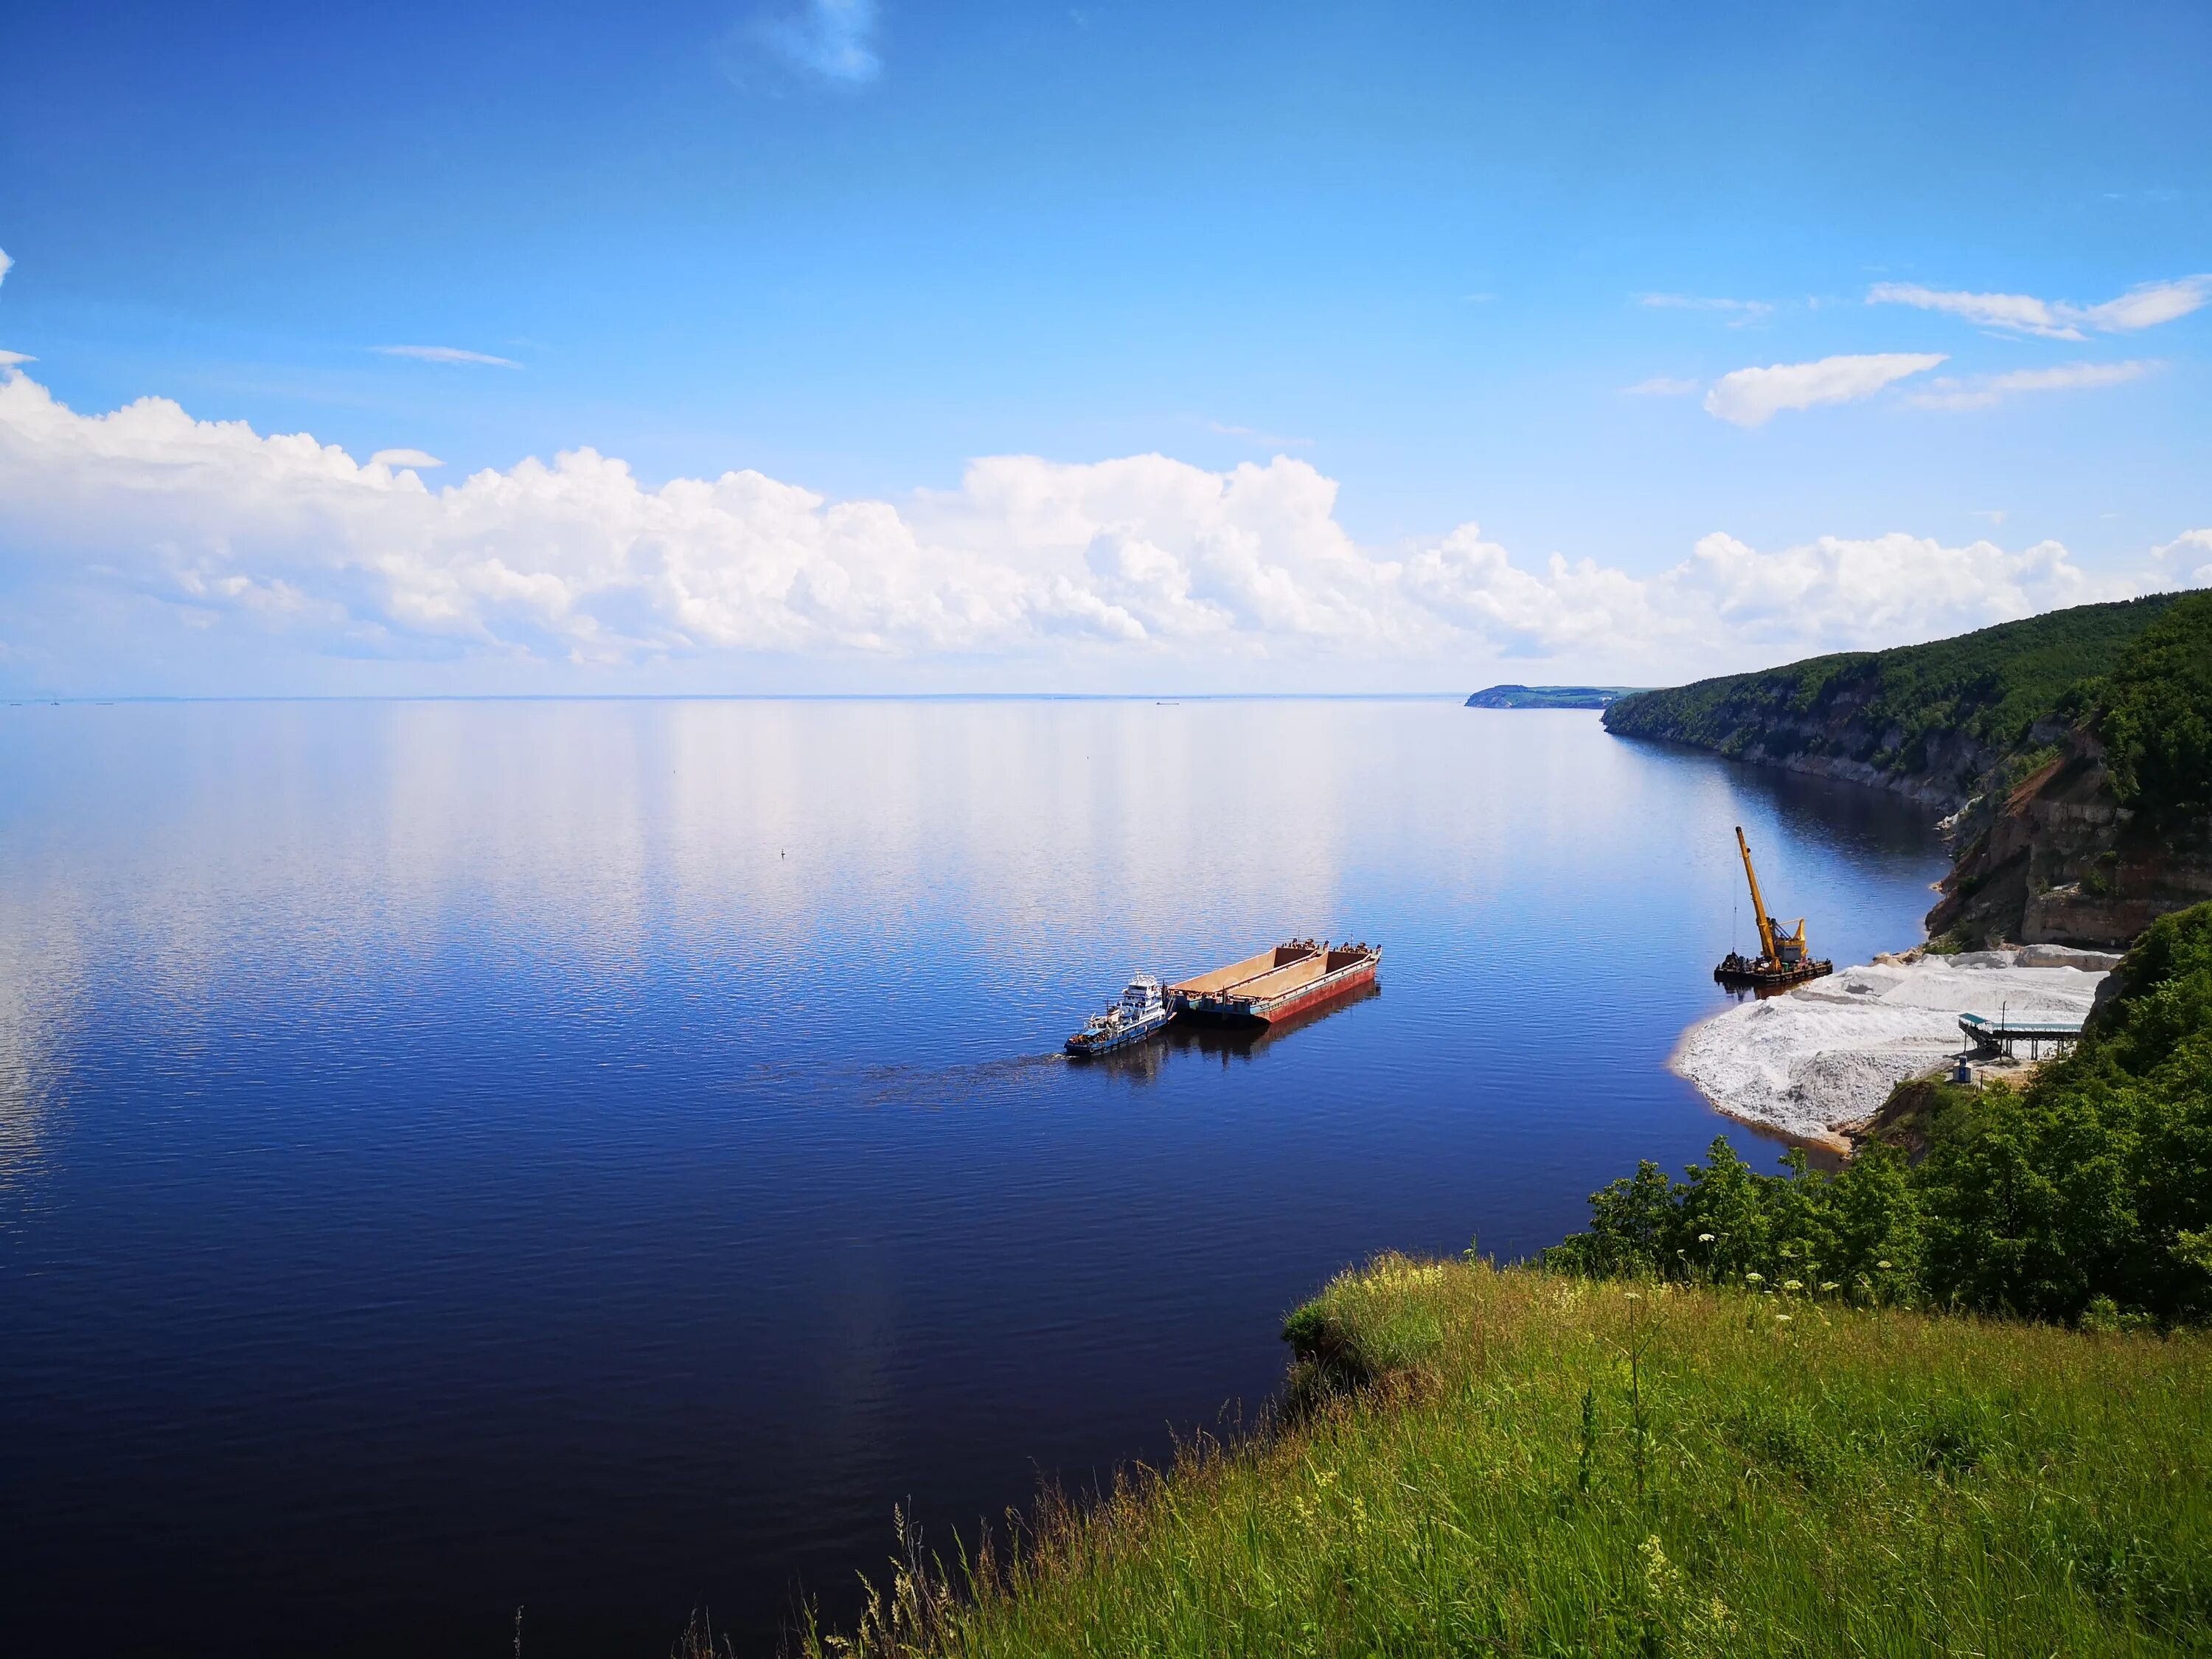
(1782, 958)
(1759, 904)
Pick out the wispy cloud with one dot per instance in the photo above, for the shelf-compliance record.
(1255, 436)
(445, 355)
(1741, 312)
(830, 40)
(2150, 304)
(1661, 387)
(1751, 397)
(2145, 305)
(1982, 390)
(9, 359)
(399, 457)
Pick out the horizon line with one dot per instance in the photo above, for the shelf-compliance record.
(51, 700)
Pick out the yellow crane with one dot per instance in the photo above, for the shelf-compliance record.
(1782, 957)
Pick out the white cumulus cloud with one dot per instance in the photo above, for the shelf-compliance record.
(1130, 572)
(6, 264)
(2186, 560)
(1751, 397)
(2145, 305)
(445, 355)
(1983, 391)
(397, 458)
(1846, 593)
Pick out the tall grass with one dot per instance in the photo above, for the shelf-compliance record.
(1480, 1462)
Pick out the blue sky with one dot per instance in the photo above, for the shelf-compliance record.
(1422, 254)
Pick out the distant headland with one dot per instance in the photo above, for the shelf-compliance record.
(1549, 696)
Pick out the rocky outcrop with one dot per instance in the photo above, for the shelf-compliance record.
(1943, 781)
(2059, 860)
(1844, 733)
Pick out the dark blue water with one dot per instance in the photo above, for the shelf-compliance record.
(602, 1157)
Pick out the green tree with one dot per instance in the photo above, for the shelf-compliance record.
(2156, 721)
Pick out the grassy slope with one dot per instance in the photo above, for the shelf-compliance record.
(1992, 684)
(1815, 1479)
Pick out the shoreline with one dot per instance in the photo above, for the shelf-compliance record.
(1816, 1062)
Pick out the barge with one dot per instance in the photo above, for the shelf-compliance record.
(1278, 983)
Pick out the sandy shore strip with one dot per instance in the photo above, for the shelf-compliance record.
(1827, 1054)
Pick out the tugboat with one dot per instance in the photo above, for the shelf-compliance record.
(1141, 1012)
(1782, 960)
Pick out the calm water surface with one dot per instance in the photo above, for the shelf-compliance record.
(602, 1157)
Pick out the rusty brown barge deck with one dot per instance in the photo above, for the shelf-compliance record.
(1275, 984)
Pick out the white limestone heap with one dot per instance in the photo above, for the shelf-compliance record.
(1828, 1053)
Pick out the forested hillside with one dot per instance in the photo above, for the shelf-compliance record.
(1928, 719)
(2072, 750)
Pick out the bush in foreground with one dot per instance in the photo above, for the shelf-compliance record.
(1526, 1462)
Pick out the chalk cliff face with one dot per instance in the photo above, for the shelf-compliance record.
(2058, 860)
(1846, 746)
(1998, 732)
(1841, 733)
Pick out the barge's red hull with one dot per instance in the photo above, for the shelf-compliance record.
(1279, 983)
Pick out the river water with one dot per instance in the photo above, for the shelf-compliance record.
(601, 1158)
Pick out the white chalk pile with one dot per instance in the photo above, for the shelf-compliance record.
(1828, 1053)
